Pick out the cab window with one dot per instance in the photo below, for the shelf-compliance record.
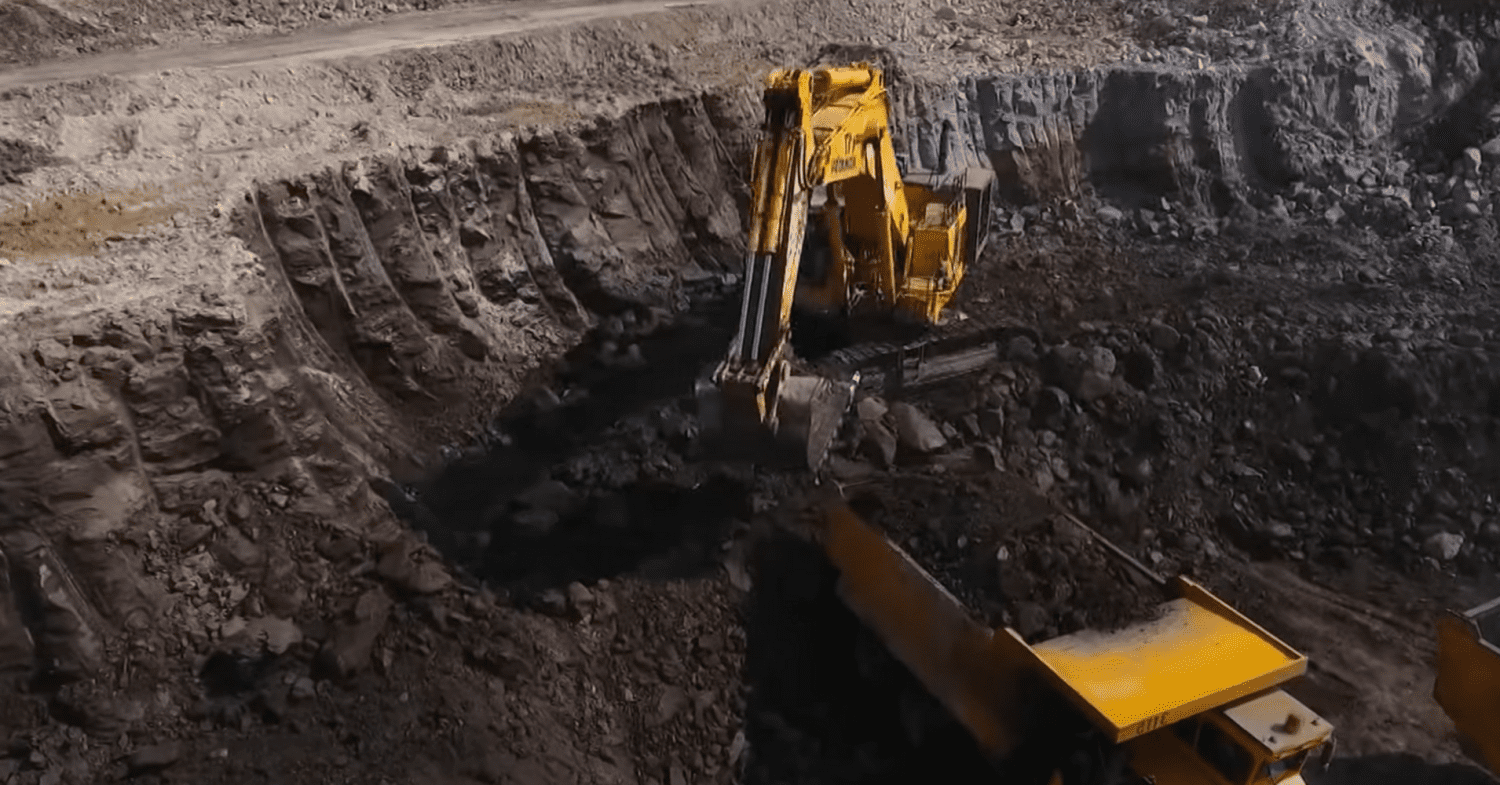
(1220, 751)
(1276, 770)
(1187, 730)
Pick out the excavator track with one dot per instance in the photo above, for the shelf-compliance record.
(947, 351)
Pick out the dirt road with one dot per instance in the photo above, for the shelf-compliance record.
(416, 30)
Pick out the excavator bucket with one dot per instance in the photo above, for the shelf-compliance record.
(810, 410)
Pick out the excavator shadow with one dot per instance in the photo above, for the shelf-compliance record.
(654, 531)
(475, 511)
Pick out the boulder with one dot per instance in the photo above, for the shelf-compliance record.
(236, 552)
(847, 470)
(580, 600)
(1164, 337)
(1093, 385)
(871, 409)
(1136, 469)
(407, 568)
(1085, 374)
(1051, 408)
(1021, 349)
(916, 431)
(1469, 162)
(153, 758)
(1443, 546)
(348, 650)
(1491, 149)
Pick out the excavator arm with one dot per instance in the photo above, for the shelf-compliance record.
(751, 374)
(825, 127)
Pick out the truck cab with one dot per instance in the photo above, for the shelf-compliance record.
(1265, 739)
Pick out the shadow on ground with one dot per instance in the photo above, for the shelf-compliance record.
(1396, 768)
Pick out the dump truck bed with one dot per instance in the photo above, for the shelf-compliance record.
(1468, 678)
(1196, 654)
(1199, 653)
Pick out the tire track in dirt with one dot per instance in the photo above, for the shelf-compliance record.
(408, 32)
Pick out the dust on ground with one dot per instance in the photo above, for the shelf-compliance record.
(79, 223)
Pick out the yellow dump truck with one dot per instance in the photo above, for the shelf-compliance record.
(1190, 696)
(1468, 679)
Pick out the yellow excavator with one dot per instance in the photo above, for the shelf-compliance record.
(1468, 679)
(895, 246)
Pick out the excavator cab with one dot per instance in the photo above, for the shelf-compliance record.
(949, 228)
(951, 214)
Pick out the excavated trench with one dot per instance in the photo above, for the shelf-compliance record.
(533, 309)
(504, 517)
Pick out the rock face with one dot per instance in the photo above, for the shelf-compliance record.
(1207, 138)
(396, 301)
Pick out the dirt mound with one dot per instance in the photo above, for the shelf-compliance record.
(1002, 549)
(78, 223)
(827, 702)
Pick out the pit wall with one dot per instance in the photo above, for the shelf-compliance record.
(1208, 139)
(407, 296)
(405, 299)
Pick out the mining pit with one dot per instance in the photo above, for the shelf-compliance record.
(346, 417)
